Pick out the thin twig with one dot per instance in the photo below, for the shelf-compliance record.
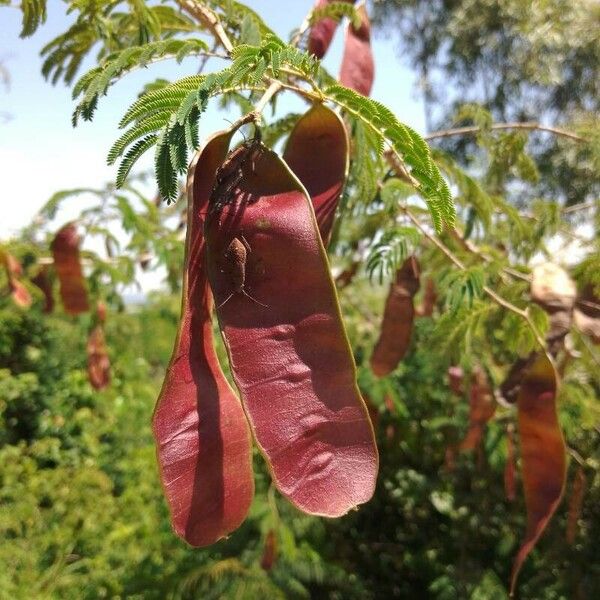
(498, 126)
(209, 19)
(577, 207)
(523, 313)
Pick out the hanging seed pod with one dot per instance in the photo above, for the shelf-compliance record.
(455, 379)
(202, 436)
(482, 407)
(282, 328)
(322, 32)
(398, 317)
(575, 504)
(67, 263)
(358, 66)
(43, 282)
(269, 552)
(98, 361)
(317, 153)
(543, 452)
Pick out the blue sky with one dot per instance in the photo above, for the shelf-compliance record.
(40, 152)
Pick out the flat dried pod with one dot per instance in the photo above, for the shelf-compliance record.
(398, 317)
(98, 361)
(358, 66)
(203, 441)
(543, 452)
(482, 407)
(317, 153)
(44, 283)
(269, 551)
(282, 328)
(322, 32)
(67, 263)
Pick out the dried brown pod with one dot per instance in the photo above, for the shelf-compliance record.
(398, 317)
(65, 249)
(482, 407)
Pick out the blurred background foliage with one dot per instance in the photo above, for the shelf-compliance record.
(82, 513)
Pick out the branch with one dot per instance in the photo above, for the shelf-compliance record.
(523, 313)
(498, 126)
(209, 19)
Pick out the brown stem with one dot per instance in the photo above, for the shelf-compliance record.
(209, 19)
(498, 126)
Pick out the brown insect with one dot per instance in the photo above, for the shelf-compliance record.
(236, 257)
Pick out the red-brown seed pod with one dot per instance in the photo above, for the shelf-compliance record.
(482, 407)
(575, 504)
(67, 263)
(358, 66)
(398, 317)
(322, 32)
(287, 347)
(98, 361)
(269, 552)
(543, 452)
(317, 153)
(203, 440)
(43, 282)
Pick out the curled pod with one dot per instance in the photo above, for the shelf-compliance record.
(282, 328)
(482, 407)
(67, 263)
(317, 153)
(322, 32)
(98, 361)
(398, 318)
(543, 452)
(358, 66)
(203, 441)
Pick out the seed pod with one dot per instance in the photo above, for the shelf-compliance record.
(65, 249)
(321, 33)
(269, 552)
(19, 293)
(358, 66)
(98, 361)
(203, 440)
(510, 484)
(43, 282)
(317, 153)
(481, 409)
(543, 455)
(398, 317)
(575, 504)
(288, 351)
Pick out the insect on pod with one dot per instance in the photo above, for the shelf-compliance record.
(290, 359)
